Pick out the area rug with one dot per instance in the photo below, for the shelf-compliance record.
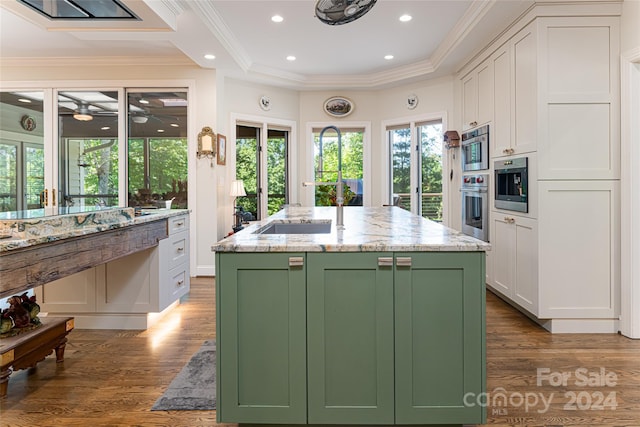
(194, 388)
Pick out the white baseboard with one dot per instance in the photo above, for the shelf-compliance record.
(581, 326)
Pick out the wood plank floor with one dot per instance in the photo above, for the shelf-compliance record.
(112, 378)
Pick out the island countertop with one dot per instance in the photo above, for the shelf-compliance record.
(380, 229)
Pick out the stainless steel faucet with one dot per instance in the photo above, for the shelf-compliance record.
(339, 184)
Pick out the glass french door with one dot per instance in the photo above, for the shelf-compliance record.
(22, 150)
(416, 174)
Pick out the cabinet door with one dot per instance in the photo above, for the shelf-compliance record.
(350, 338)
(525, 269)
(579, 249)
(439, 333)
(501, 131)
(503, 253)
(469, 100)
(261, 338)
(525, 90)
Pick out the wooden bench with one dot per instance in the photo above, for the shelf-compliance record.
(25, 350)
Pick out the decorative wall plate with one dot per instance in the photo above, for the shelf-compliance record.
(28, 123)
(265, 103)
(412, 101)
(338, 106)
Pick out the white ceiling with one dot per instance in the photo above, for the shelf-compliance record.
(248, 45)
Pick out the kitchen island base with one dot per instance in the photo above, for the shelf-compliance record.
(353, 338)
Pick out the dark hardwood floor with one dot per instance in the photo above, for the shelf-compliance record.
(112, 378)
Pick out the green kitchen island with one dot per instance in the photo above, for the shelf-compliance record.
(382, 322)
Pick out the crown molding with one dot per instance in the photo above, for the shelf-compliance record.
(222, 32)
(78, 61)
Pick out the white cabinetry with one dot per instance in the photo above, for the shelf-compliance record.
(515, 95)
(477, 96)
(579, 249)
(556, 101)
(120, 294)
(514, 246)
(580, 133)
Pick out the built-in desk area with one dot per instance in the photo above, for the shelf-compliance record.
(106, 267)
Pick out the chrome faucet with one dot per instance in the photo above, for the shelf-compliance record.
(339, 184)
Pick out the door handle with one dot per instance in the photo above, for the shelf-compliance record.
(385, 261)
(296, 261)
(403, 261)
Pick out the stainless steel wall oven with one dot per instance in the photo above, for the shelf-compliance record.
(475, 206)
(475, 149)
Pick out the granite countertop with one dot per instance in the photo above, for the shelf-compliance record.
(383, 229)
(24, 231)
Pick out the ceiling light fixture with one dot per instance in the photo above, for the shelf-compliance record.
(291, 58)
(139, 119)
(174, 125)
(143, 101)
(277, 18)
(388, 57)
(209, 56)
(406, 18)
(83, 114)
(105, 128)
(25, 100)
(160, 130)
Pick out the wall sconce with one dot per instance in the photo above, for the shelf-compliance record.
(206, 144)
(237, 190)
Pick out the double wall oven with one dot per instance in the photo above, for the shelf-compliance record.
(474, 188)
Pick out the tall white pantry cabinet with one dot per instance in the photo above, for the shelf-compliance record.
(555, 97)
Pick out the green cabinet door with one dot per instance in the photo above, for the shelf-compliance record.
(261, 333)
(350, 338)
(439, 337)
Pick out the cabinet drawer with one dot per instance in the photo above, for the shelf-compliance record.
(178, 224)
(178, 282)
(178, 249)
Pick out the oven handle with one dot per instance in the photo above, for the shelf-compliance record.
(479, 190)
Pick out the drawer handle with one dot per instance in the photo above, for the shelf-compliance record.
(403, 261)
(296, 261)
(180, 249)
(180, 283)
(179, 224)
(385, 261)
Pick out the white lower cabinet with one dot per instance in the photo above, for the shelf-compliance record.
(515, 259)
(579, 249)
(120, 294)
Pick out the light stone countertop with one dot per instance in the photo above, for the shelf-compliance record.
(382, 229)
(27, 231)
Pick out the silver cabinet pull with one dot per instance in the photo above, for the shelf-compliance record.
(296, 261)
(403, 261)
(385, 261)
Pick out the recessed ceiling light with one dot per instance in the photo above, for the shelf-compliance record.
(405, 18)
(25, 100)
(105, 128)
(174, 125)
(209, 56)
(388, 57)
(143, 101)
(277, 18)
(160, 130)
(291, 58)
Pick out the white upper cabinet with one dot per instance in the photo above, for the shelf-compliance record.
(580, 136)
(477, 96)
(515, 95)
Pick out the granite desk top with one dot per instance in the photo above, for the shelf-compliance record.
(383, 229)
(17, 232)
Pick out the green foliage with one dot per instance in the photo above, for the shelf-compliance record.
(326, 195)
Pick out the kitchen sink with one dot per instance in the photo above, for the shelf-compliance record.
(304, 227)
